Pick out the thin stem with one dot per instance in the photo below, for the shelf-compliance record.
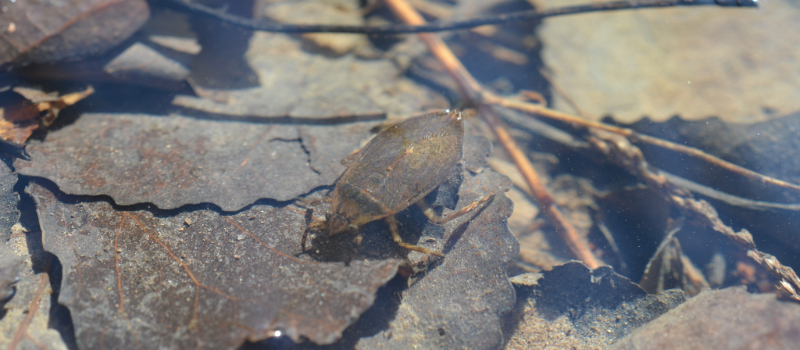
(637, 137)
(540, 193)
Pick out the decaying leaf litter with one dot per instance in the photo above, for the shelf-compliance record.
(173, 161)
(405, 329)
(18, 120)
(222, 278)
(43, 32)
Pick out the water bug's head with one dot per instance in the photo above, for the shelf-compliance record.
(337, 223)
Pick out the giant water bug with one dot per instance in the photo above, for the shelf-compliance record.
(397, 168)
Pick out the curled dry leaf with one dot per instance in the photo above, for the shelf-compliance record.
(133, 279)
(50, 31)
(670, 268)
(17, 123)
(173, 161)
(458, 304)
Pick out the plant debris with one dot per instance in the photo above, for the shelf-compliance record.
(669, 268)
(152, 281)
(742, 144)
(17, 123)
(173, 161)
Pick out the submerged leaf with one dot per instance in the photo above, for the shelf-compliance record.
(458, 304)
(303, 86)
(173, 161)
(198, 279)
(50, 31)
(574, 307)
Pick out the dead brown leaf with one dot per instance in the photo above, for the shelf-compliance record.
(17, 123)
(133, 279)
(458, 304)
(50, 31)
(173, 161)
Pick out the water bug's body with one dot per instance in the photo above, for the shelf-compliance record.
(397, 168)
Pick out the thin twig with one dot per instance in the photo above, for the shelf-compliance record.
(623, 266)
(637, 137)
(446, 26)
(473, 91)
(727, 198)
(540, 193)
(619, 150)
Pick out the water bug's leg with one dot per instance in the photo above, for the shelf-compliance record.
(436, 219)
(316, 225)
(357, 242)
(303, 240)
(429, 212)
(392, 222)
